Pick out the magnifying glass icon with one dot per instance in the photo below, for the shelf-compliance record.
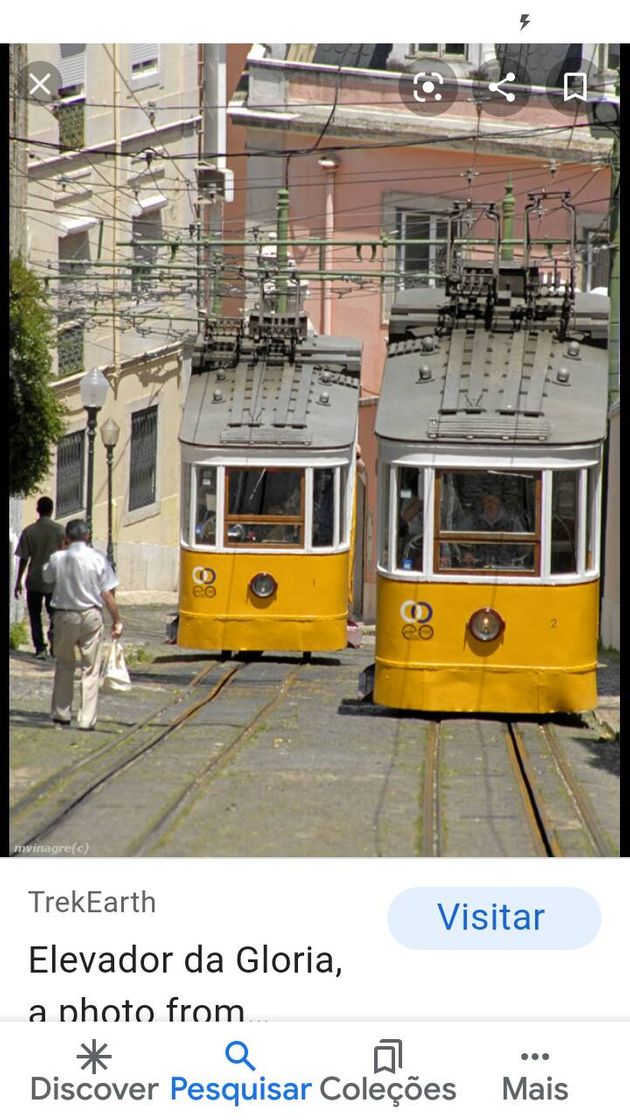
(238, 1053)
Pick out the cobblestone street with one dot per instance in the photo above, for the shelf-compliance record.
(284, 761)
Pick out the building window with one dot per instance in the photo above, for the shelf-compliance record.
(453, 50)
(71, 119)
(145, 229)
(145, 59)
(70, 473)
(70, 350)
(596, 259)
(143, 458)
(71, 105)
(611, 57)
(74, 262)
(419, 264)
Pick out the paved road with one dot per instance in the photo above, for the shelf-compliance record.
(283, 762)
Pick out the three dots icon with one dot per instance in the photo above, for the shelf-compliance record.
(535, 1057)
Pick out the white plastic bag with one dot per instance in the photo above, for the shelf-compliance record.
(115, 676)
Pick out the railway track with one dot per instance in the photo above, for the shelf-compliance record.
(542, 798)
(50, 805)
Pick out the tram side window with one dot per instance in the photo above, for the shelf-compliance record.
(410, 509)
(265, 505)
(206, 508)
(383, 534)
(487, 520)
(564, 521)
(323, 507)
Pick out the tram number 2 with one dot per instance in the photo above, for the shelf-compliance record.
(554, 623)
(416, 617)
(203, 579)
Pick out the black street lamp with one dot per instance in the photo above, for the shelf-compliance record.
(109, 435)
(94, 387)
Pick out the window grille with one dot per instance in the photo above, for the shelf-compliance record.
(74, 260)
(71, 120)
(143, 458)
(70, 349)
(70, 473)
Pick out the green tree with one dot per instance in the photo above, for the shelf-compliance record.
(35, 413)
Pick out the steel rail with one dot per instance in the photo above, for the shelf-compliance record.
(541, 828)
(431, 793)
(585, 812)
(186, 797)
(57, 778)
(100, 782)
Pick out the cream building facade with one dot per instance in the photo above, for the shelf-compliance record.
(111, 173)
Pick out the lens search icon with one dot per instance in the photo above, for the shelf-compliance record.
(238, 1053)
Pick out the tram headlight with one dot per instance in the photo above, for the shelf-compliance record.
(263, 585)
(486, 624)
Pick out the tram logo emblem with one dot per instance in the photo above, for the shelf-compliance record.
(411, 611)
(416, 616)
(203, 578)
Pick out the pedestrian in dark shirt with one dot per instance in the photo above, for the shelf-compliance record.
(35, 547)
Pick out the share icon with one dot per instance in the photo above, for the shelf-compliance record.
(495, 87)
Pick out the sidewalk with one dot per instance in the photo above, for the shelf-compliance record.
(609, 689)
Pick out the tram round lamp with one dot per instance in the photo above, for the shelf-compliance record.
(263, 585)
(486, 624)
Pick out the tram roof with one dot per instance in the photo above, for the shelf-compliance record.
(498, 387)
(311, 403)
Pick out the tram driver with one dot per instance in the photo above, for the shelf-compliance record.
(492, 517)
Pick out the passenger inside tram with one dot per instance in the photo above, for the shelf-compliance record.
(411, 523)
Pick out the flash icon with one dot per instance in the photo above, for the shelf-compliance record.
(524, 21)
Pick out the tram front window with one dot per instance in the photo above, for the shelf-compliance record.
(265, 506)
(206, 508)
(487, 520)
(410, 507)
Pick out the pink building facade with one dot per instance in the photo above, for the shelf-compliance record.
(376, 169)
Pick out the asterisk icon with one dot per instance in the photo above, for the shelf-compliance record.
(93, 1057)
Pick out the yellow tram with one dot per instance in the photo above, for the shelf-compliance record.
(268, 442)
(490, 425)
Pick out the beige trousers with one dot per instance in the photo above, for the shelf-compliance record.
(82, 629)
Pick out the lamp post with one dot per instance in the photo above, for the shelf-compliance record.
(109, 435)
(94, 387)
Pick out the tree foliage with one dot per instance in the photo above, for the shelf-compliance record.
(35, 412)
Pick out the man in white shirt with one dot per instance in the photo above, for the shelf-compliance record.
(83, 581)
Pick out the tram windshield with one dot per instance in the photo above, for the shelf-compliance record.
(487, 520)
(265, 505)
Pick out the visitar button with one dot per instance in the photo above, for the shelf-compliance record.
(494, 918)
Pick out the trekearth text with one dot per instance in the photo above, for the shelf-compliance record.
(93, 902)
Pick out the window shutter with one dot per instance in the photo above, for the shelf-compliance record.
(143, 53)
(72, 64)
